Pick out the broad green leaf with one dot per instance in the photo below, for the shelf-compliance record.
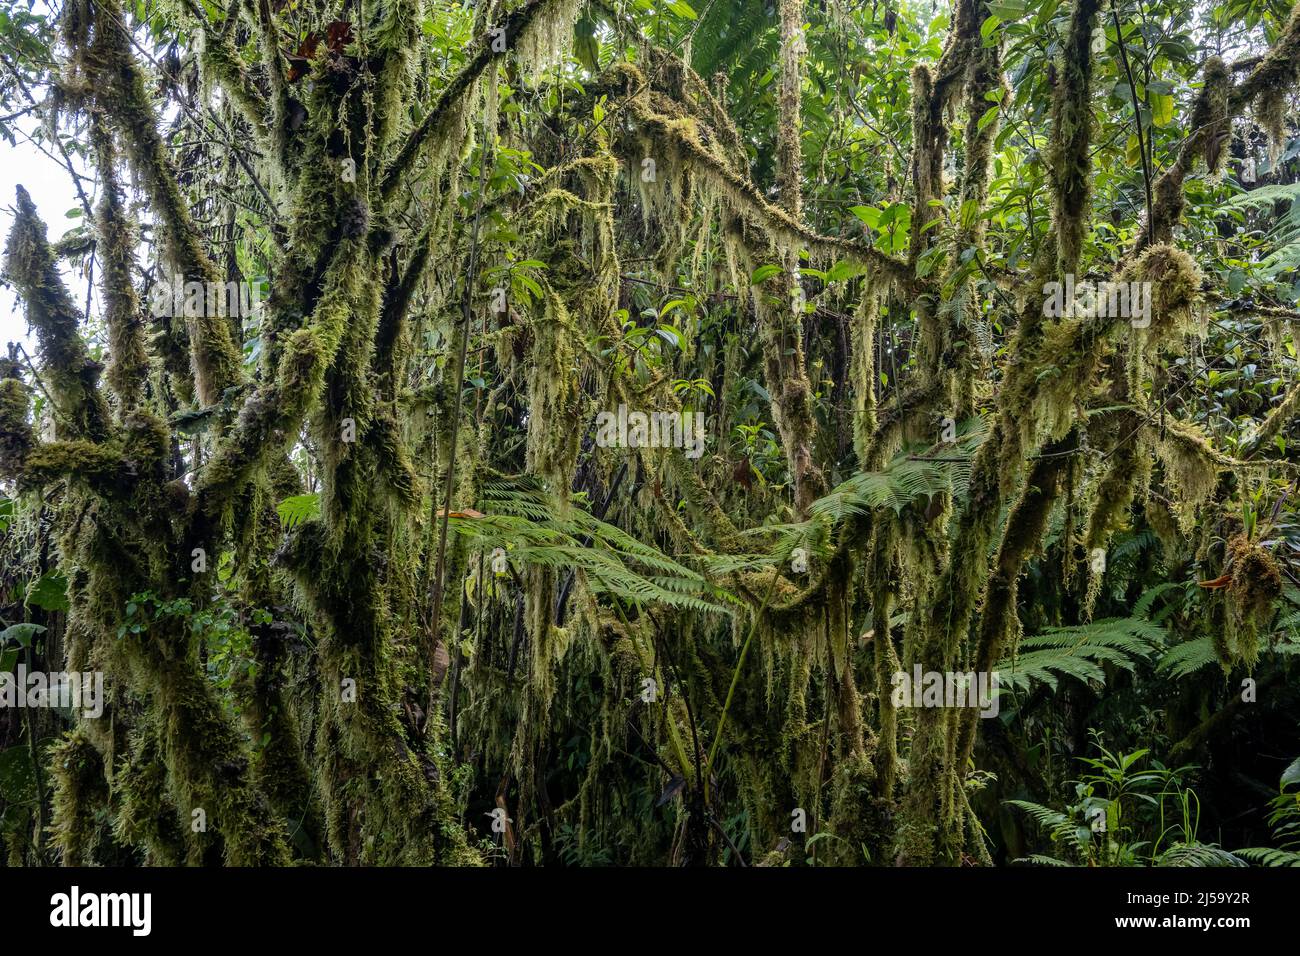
(49, 592)
(1162, 109)
(868, 214)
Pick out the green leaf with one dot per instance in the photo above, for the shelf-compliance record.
(1292, 773)
(989, 116)
(670, 334)
(683, 9)
(49, 593)
(868, 214)
(585, 45)
(763, 273)
(22, 633)
(844, 270)
(1162, 109)
(1008, 10)
(298, 508)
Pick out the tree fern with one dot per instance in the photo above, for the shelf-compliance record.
(1142, 606)
(737, 38)
(943, 468)
(1266, 856)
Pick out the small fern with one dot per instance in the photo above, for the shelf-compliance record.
(1284, 819)
(1062, 829)
(296, 509)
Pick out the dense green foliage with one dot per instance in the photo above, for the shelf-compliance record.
(386, 570)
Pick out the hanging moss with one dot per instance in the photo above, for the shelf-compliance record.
(1175, 288)
(1251, 597)
(80, 796)
(1210, 114)
(1111, 501)
(1190, 468)
(16, 438)
(146, 815)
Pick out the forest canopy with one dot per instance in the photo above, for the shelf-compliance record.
(621, 432)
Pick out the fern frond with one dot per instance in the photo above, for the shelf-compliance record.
(1078, 652)
(296, 509)
(1039, 859)
(1265, 196)
(1188, 657)
(530, 524)
(1268, 856)
(1057, 825)
(1047, 667)
(1142, 607)
(1197, 854)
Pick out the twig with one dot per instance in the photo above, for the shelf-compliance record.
(1137, 112)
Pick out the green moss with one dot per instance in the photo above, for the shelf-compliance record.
(1210, 113)
(1190, 468)
(80, 795)
(1251, 596)
(145, 815)
(101, 465)
(1175, 288)
(16, 437)
(69, 373)
(1072, 136)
